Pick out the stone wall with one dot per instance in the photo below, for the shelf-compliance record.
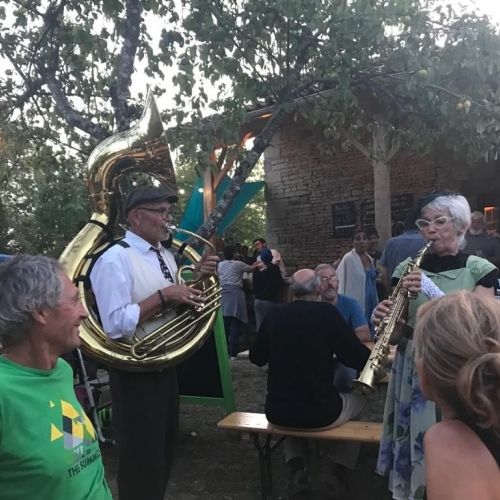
(303, 181)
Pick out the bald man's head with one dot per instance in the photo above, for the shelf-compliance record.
(305, 285)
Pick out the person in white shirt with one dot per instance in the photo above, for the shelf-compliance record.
(133, 281)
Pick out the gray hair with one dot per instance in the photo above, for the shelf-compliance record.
(307, 289)
(459, 209)
(28, 283)
(321, 267)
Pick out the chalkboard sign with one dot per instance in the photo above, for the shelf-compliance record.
(401, 206)
(205, 377)
(344, 219)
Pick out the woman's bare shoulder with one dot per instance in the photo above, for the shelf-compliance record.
(458, 463)
(451, 435)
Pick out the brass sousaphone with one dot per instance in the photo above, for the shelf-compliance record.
(179, 331)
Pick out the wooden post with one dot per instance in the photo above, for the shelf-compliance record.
(208, 193)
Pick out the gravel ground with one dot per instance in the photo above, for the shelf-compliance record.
(220, 465)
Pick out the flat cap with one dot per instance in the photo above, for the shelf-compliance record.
(150, 194)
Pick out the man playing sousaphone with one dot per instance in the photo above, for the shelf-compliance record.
(132, 281)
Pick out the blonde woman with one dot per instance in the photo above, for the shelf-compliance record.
(457, 346)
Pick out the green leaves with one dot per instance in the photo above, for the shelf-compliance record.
(432, 75)
(43, 199)
(112, 8)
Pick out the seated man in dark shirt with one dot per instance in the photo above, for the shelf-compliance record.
(298, 341)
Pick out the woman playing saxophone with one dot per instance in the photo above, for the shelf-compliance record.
(444, 219)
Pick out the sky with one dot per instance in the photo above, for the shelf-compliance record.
(489, 7)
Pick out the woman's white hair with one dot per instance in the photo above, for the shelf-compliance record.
(458, 208)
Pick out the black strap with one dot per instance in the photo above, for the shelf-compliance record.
(93, 259)
(99, 223)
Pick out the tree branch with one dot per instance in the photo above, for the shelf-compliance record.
(63, 106)
(360, 147)
(13, 61)
(120, 90)
(238, 35)
(393, 152)
(242, 172)
(50, 20)
(70, 114)
(307, 43)
(27, 5)
(31, 86)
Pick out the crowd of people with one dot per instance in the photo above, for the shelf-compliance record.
(441, 429)
(462, 258)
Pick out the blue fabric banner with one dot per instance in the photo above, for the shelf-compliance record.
(192, 218)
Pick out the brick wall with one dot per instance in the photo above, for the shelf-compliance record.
(303, 180)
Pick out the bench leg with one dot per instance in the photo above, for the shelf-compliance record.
(266, 474)
(264, 449)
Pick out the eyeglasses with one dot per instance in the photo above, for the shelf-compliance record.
(325, 279)
(437, 223)
(162, 211)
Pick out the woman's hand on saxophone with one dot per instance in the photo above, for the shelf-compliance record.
(381, 311)
(413, 282)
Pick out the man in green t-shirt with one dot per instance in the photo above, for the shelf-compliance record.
(48, 446)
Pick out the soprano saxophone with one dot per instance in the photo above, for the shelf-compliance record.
(374, 369)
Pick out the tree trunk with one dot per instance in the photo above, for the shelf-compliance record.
(382, 198)
(241, 174)
(381, 157)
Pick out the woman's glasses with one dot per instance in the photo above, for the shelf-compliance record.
(437, 223)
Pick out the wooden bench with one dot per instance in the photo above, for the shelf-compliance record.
(256, 424)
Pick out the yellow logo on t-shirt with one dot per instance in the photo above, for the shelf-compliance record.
(76, 428)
